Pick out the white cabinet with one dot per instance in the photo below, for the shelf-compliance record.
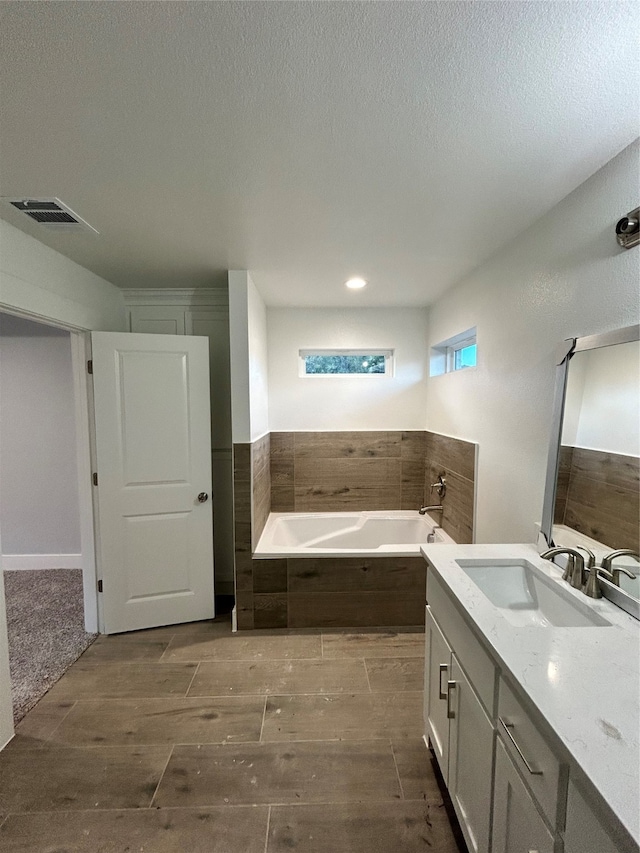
(517, 825)
(512, 784)
(471, 736)
(437, 667)
(585, 832)
(461, 735)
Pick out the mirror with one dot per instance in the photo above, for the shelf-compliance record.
(592, 495)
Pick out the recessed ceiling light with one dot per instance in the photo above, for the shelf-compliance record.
(356, 283)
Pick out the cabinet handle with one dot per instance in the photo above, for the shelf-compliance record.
(443, 668)
(451, 685)
(506, 726)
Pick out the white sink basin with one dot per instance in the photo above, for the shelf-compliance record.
(527, 597)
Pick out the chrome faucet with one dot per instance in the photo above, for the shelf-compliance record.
(425, 509)
(574, 570)
(608, 561)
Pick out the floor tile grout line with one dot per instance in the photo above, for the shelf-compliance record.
(395, 764)
(366, 672)
(161, 777)
(266, 840)
(195, 672)
(264, 714)
(74, 702)
(223, 807)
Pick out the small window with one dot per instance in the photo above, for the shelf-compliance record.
(457, 353)
(346, 362)
(463, 355)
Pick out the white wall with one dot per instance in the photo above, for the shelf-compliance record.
(42, 282)
(248, 347)
(39, 510)
(564, 277)
(37, 280)
(609, 414)
(347, 402)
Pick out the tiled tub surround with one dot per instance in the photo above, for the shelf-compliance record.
(334, 472)
(340, 471)
(598, 495)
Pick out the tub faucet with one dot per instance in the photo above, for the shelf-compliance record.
(574, 571)
(425, 509)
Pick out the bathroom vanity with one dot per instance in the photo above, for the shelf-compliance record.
(531, 704)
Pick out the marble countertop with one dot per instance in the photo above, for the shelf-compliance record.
(584, 681)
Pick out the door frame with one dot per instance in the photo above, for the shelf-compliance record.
(82, 395)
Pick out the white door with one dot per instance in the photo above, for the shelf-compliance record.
(153, 453)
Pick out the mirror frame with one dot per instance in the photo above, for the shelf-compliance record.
(564, 354)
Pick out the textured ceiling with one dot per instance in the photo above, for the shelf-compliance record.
(309, 141)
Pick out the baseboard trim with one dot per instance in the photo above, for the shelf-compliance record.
(20, 562)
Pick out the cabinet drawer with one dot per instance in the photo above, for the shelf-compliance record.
(530, 751)
(474, 660)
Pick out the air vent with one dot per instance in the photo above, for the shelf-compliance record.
(50, 212)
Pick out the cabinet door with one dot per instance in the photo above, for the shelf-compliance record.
(157, 319)
(585, 833)
(437, 673)
(471, 736)
(517, 824)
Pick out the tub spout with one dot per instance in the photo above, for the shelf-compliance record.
(425, 509)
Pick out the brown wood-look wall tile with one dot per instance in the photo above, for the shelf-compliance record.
(242, 531)
(242, 499)
(614, 469)
(282, 498)
(354, 609)
(270, 575)
(453, 454)
(261, 486)
(244, 610)
(242, 462)
(412, 473)
(413, 445)
(270, 610)
(282, 471)
(332, 574)
(332, 445)
(457, 518)
(604, 512)
(338, 473)
(320, 498)
(282, 443)
(244, 571)
(412, 497)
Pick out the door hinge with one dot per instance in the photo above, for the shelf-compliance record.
(100, 586)
(90, 366)
(95, 479)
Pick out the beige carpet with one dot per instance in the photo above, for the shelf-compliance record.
(45, 620)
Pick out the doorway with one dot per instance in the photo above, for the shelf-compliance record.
(40, 518)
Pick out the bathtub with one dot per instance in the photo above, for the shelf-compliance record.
(388, 533)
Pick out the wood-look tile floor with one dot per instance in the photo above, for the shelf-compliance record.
(194, 740)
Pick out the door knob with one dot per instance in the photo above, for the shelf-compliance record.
(203, 497)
